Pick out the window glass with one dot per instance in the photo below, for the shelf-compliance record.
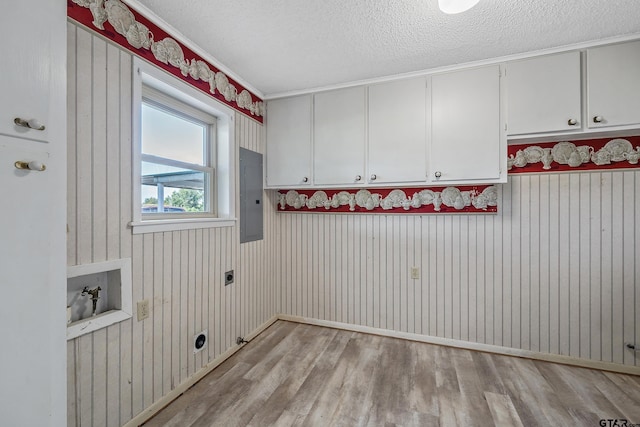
(174, 187)
(167, 134)
(176, 145)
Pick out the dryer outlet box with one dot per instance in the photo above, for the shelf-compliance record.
(200, 341)
(228, 277)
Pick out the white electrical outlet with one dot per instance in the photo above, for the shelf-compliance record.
(143, 309)
(415, 273)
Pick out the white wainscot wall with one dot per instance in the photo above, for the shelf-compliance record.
(117, 372)
(557, 270)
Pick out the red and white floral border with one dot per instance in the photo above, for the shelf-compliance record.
(468, 199)
(591, 154)
(119, 23)
(585, 155)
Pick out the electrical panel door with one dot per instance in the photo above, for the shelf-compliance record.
(251, 208)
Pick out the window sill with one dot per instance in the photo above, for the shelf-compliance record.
(159, 225)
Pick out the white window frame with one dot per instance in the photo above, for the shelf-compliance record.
(164, 88)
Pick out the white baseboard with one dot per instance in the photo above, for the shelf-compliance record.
(468, 345)
(149, 412)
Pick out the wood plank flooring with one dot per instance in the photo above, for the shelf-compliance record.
(302, 375)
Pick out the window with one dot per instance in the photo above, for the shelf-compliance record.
(177, 158)
(183, 161)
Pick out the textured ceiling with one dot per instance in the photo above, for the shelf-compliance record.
(279, 46)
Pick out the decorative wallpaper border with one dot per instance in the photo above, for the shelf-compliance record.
(585, 155)
(480, 199)
(590, 154)
(119, 23)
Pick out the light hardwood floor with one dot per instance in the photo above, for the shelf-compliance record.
(295, 374)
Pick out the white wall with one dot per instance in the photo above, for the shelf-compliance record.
(555, 271)
(116, 372)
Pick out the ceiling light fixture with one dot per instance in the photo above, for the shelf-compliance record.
(456, 6)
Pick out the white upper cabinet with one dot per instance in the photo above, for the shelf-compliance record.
(397, 132)
(288, 155)
(450, 128)
(467, 144)
(339, 137)
(613, 85)
(543, 94)
(26, 69)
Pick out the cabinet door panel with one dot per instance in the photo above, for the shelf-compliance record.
(543, 94)
(465, 130)
(289, 141)
(339, 136)
(613, 85)
(26, 69)
(397, 131)
(26, 235)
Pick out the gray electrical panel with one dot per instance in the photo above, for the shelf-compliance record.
(251, 208)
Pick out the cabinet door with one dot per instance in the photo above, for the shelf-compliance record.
(32, 226)
(26, 69)
(27, 232)
(289, 141)
(397, 132)
(543, 94)
(339, 136)
(613, 85)
(465, 132)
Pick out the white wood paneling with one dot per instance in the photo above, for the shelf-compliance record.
(554, 271)
(116, 373)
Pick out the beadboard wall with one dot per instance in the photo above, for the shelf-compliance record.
(116, 372)
(556, 270)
